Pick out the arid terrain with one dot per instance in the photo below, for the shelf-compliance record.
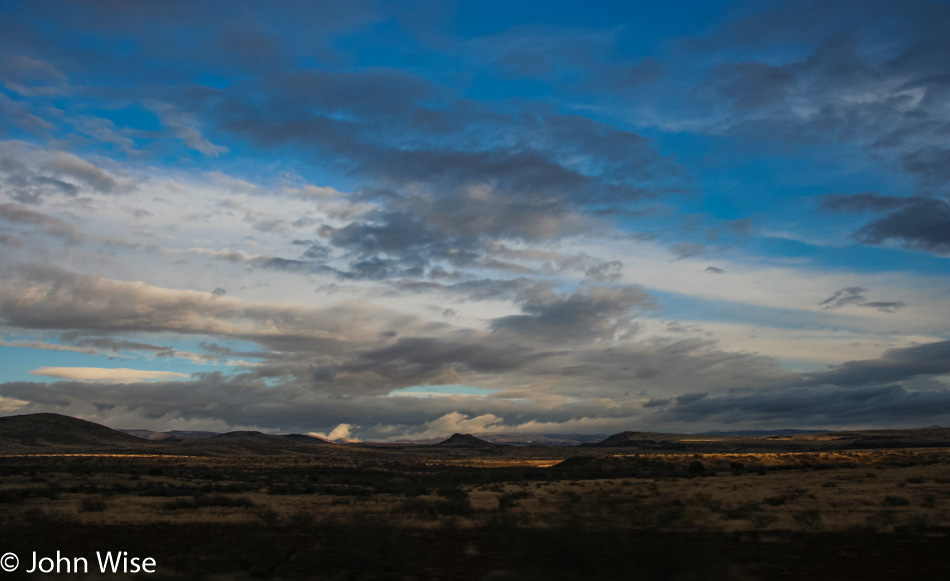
(848, 505)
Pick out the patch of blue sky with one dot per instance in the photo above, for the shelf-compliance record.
(855, 258)
(440, 391)
(131, 117)
(691, 308)
(642, 23)
(17, 362)
(214, 81)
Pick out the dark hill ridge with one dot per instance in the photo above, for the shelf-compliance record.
(468, 441)
(171, 434)
(53, 433)
(46, 430)
(777, 441)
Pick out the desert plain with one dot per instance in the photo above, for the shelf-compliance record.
(245, 505)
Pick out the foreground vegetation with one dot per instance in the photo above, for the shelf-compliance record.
(835, 515)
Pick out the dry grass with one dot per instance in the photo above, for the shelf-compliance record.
(835, 491)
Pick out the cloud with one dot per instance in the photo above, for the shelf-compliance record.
(41, 297)
(826, 407)
(52, 226)
(452, 423)
(915, 222)
(30, 175)
(863, 74)
(184, 126)
(19, 115)
(69, 165)
(598, 313)
(687, 250)
(429, 360)
(895, 365)
(31, 77)
(341, 433)
(118, 375)
(855, 296)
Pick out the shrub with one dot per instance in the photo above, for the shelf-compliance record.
(775, 500)
(92, 505)
(896, 501)
(210, 500)
(809, 518)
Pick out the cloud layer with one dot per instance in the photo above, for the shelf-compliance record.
(304, 218)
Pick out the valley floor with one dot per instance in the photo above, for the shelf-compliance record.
(378, 514)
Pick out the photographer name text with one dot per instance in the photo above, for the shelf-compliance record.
(107, 562)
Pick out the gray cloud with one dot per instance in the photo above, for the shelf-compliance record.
(687, 250)
(818, 406)
(855, 296)
(894, 365)
(31, 77)
(916, 222)
(31, 176)
(867, 74)
(52, 226)
(593, 314)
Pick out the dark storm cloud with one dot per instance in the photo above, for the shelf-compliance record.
(916, 222)
(817, 406)
(894, 365)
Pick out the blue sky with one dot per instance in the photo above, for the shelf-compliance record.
(562, 217)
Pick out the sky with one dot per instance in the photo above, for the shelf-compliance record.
(400, 220)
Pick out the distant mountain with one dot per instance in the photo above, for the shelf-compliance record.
(32, 431)
(763, 432)
(54, 433)
(646, 440)
(542, 439)
(467, 441)
(251, 443)
(174, 434)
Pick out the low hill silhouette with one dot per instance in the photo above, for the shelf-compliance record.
(171, 434)
(48, 433)
(36, 432)
(468, 441)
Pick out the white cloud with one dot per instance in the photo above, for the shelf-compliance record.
(118, 375)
